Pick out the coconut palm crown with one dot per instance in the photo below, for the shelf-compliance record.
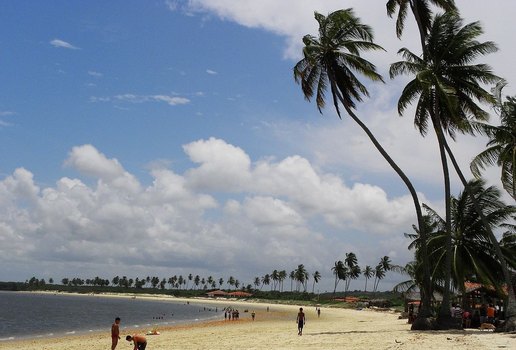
(334, 57)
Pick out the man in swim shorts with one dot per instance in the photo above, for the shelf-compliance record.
(140, 342)
(115, 333)
(300, 321)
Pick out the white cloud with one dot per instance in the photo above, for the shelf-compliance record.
(287, 208)
(62, 44)
(95, 74)
(211, 72)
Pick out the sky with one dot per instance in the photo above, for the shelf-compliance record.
(161, 138)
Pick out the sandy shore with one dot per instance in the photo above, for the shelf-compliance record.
(335, 329)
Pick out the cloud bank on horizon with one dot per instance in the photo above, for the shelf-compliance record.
(207, 162)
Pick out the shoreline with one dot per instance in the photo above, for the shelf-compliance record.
(276, 329)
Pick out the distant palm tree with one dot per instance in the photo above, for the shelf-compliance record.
(257, 282)
(231, 281)
(292, 276)
(353, 271)
(301, 277)
(221, 282)
(317, 277)
(266, 280)
(282, 277)
(340, 271)
(275, 278)
(379, 274)
(368, 273)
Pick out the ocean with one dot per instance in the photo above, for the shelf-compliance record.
(32, 315)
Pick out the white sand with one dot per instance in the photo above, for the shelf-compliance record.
(336, 329)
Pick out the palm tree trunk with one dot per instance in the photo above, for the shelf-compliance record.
(427, 286)
(510, 310)
(444, 317)
(365, 288)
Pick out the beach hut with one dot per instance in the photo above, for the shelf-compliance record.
(217, 293)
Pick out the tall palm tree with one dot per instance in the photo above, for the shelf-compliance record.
(423, 15)
(501, 147)
(421, 11)
(446, 86)
(368, 273)
(292, 276)
(331, 60)
(317, 277)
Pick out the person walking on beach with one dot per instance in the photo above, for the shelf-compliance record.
(300, 321)
(115, 333)
(140, 342)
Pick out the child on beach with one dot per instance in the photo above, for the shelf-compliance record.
(300, 321)
(115, 333)
(140, 342)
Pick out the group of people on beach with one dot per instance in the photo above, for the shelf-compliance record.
(139, 341)
(475, 317)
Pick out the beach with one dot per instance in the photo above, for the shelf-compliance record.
(336, 328)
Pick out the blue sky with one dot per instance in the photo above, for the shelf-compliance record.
(169, 137)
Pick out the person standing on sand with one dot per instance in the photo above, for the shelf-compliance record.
(115, 333)
(140, 342)
(300, 321)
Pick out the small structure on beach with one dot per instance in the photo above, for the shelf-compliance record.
(217, 293)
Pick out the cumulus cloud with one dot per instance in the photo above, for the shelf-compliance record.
(63, 44)
(226, 214)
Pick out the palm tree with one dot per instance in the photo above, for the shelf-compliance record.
(446, 86)
(411, 284)
(501, 148)
(317, 277)
(340, 272)
(353, 271)
(423, 16)
(292, 276)
(331, 59)
(257, 282)
(231, 281)
(275, 278)
(368, 273)
(301, 277)
(473, 252)
(266, 280)
(421, 11)
(282, 277)
(379, 274)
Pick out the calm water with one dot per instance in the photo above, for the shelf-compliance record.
(25, 315)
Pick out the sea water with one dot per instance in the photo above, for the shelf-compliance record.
(33, 315)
